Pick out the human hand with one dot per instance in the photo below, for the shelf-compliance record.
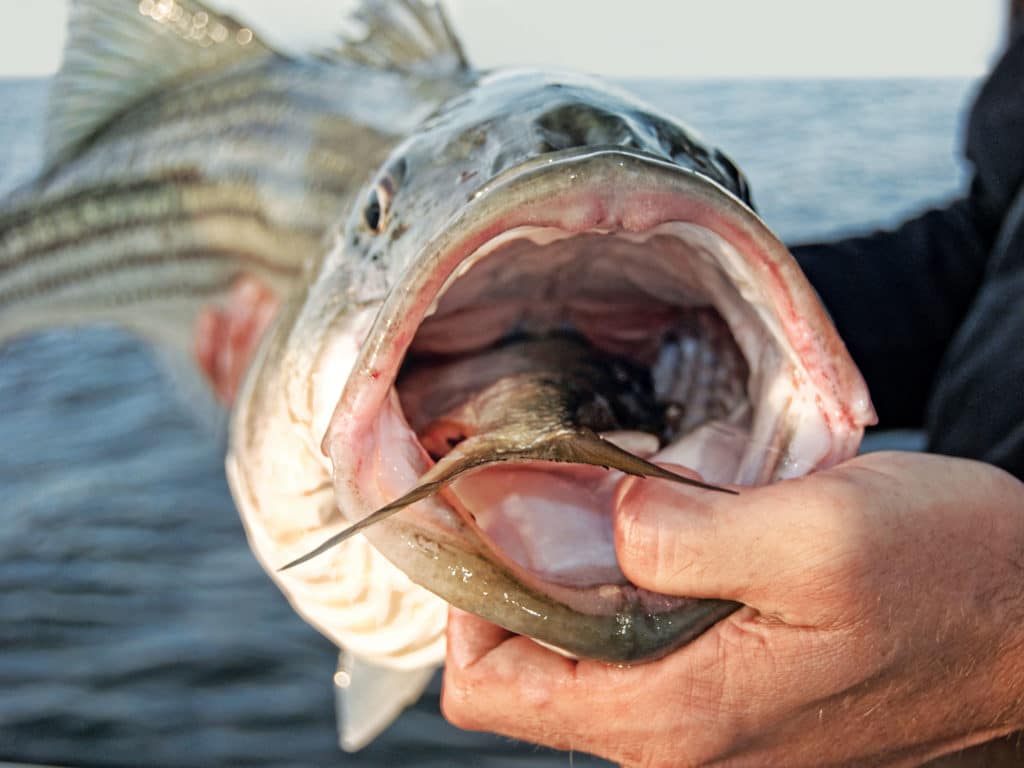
(884, 625)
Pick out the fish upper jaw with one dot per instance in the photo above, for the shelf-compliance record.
(645, 239)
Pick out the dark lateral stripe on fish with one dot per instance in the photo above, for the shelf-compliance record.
(314, 89)
(291, 127)
(174, 185)
(311, 114)
(50, 238)
(291, 97)
(165, 290)
(200, 290)
(255, 162)
(260, 180)
(133, 262)
(126, 186)
(246, 216)
(334, 144)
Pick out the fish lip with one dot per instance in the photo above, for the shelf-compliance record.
(511, 199)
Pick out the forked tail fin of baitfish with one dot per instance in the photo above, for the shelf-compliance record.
(582, 447)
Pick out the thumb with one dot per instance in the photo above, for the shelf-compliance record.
(751, 548)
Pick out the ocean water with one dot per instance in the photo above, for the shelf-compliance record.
(135, 627)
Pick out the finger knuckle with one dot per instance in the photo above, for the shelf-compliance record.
(457, 705)
(633, 536)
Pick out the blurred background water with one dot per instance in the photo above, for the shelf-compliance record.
(135, 626)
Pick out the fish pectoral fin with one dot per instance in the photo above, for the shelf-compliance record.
(586, 447)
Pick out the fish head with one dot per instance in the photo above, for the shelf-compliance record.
(535, 204)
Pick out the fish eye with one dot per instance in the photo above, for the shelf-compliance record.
(378, 204)
(373, 214)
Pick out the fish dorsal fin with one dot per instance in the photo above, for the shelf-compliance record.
(118, 51)
(411, 36)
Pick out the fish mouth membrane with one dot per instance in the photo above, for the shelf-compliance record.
(644, 262)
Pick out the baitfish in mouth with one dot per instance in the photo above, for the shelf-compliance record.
(551, 400)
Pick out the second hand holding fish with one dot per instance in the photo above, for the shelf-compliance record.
(868, 639)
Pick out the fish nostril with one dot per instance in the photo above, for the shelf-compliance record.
(502, 161)
(680, 147)
(676, 144)
(735, 175)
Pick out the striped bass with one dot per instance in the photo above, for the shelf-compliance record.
(519, 205)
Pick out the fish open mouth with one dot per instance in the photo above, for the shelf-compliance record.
(644, 262)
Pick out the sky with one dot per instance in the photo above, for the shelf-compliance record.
(628, 38)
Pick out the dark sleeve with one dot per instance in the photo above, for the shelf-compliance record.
(897, 297)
